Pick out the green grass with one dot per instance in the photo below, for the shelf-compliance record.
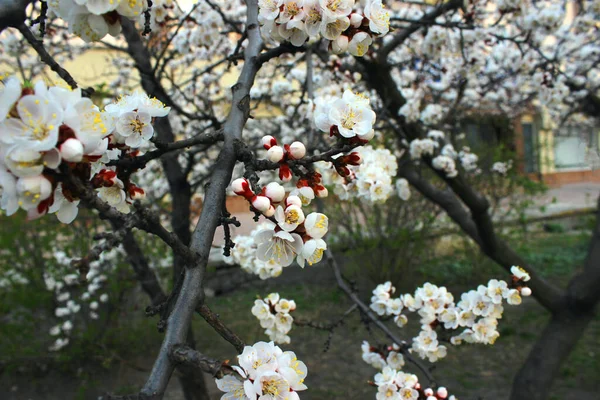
(127, 339)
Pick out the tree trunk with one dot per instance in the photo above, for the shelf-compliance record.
(534, 379)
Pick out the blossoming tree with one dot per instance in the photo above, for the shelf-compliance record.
(362, 96)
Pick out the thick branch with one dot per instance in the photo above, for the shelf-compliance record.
(192, 293)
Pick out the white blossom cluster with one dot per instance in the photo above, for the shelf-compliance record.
(350, 116)
(267, 373)
(501, 167)
(48, 131)
(244, 255)
(477, 311)
(347, 29)
(70, 301)
(380, 358)
(446, 159)
(397, 385)
(274, 315)
(92, 20)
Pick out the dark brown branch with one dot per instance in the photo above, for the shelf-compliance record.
(226, 333)
(367, 311)
(182, 354)
(46, 58)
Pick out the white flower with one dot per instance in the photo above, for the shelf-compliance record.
(135, 127)
(359, 45)
(403, 189)
(233, 388)
(10, 91)
(293, 370)
(312, 252)
(336, 8)
(290, 218)
(65, 210)
(387, 392)
(280, 247)
(332, 27)
(37, 125)
(520, 273)
(316, 225)
(260, 309)
(261, 355)
(32, 190)
(379, 19)
(269, 9)
(115, 196)
(352, 115)
(269, 385)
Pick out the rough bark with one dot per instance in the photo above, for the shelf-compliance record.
(576, 310)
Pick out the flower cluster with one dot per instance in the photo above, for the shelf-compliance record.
(381, 358)
(93, 20)
(397, 385)
(369, 177)
(502, 168)
(70, 302)
(478, 311)
(273, 313)
(349, 117)
(349, 30)
(51, 133)
(267, 373)
(244, 255)
(446, 159)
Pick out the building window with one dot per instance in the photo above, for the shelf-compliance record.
(529, 147)
(576, 147)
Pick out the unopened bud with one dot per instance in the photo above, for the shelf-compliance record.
(525, 291)
(356, 20)
(293, 201)
(71, 150)
(297, 150)
(321, 191)
(275, 192)
(340, 45)
(442, 392)
(261, 203)
(353, 158)
(275, 153)
(285, 174)
(268, 141)
(240, 186)
(428, 392)
(270, 212)
(136, 193)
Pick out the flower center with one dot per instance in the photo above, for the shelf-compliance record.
(270, 387)
(348, 119)
(136, 125)
(292, 217)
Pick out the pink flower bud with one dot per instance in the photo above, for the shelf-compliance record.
(275, 153)
(297, 150)
(525, 291)
(340, 45)
(285, 174)
(240, 186)
(261, 203)
(442, 392)
(275, 192)
(268, 141)
(428, 392)
(356, 20)
(293, 201)
(136, 193)
(270, 212)
(71, 150)
(321, 191)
